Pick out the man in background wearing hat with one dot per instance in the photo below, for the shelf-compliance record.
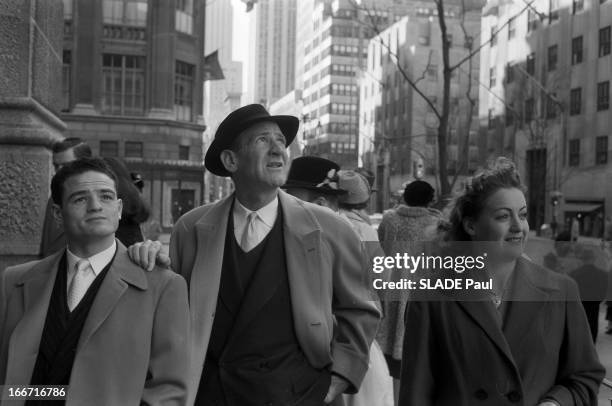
(315, 180)
(280, 309)
(320, 181)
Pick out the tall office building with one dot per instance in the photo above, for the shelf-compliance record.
(398, 128)
(272, 50)
(132, 80)
(546, 67)
(221, 96)
(332, 49)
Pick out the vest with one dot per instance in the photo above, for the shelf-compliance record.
(61, 332)
(254, 357)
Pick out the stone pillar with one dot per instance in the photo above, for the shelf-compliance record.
(30, 97)
(162, 44)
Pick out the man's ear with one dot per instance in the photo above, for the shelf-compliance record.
(120, 207)
(229, 160)
(57, 215)
(468, 226)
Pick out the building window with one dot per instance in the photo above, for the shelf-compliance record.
(577, 50)
(532, 21)
(510, 115)
(67, 9)
(123, 79)
(601, 150)
(183, 90)
(492, 78)
(449, 40)
(109, 148)
(66, 74)
(553, 11)
(552, 58)
(577, 5)
(133, 149)
(529, 109)
(603, 96)
(575, 101)
(183, 16)
(551, 106)
(432, 72)
(511, 28)
(125, 12)
(493, 35)
(184, 152)
(604, 41)
(574, 152)
(530, 65)
(509, 73)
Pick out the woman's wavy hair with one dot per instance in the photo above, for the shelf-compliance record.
(500, 173)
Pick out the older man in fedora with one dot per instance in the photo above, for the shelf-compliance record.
(281, 314)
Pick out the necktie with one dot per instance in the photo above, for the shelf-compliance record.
(80, 282)
(249, 235)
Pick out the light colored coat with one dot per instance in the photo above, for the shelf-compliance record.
(335, 318)
(133, 346)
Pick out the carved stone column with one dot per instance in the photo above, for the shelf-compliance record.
(30, 96)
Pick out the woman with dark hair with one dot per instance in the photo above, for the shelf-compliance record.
(135, 210)
(525, 340)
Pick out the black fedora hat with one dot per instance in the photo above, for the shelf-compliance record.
(314, 173)
(238, 121)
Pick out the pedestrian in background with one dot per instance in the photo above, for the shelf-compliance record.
(404, 229)
(135, 209)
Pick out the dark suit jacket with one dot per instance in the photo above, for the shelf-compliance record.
(456, 353)
(133, 348)
(335, 318)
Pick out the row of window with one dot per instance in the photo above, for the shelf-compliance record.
(134, 149)
(601, 151)
(134, 13)
(605, 47)
(552, 105)
(123, 85)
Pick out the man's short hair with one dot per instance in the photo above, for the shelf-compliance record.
(76, 168)
(418, 193)
(80, 148)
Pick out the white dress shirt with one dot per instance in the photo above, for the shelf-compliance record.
(266, 216)
(97, 262)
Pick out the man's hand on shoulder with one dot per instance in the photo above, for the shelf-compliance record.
(147, 253)
(338, 385)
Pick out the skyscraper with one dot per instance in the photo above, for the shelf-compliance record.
(272, 50)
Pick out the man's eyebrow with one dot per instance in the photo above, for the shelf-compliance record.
(84, 192)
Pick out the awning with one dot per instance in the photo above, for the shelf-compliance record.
(581, 207)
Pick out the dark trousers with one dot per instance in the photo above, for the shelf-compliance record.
(591, 308)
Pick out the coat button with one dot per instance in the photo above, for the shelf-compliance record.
(514, 396)
(481, 394)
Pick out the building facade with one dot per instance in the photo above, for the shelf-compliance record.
(132, 80)
(221, 96)
(272, 50)
(334, 35)
(398, 126)
(548, 68)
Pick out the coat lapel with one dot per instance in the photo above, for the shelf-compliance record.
(37, 286)
(121, 273)
(302, 237)
(206, 273)
(528, 299)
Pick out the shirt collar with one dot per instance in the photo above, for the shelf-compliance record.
(98, 261)
(267, 214)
